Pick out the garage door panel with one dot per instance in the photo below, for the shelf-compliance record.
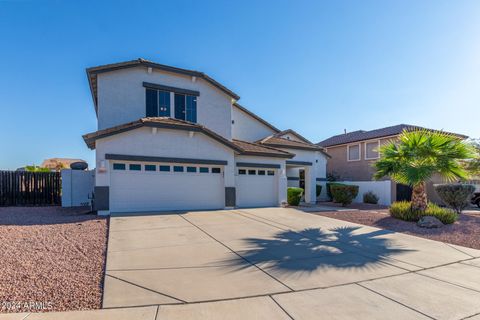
(161, 191)
(257, 190)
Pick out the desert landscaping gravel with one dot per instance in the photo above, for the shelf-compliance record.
(464, 232)
(51, 256)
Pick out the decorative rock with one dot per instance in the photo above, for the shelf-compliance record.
(429, 222)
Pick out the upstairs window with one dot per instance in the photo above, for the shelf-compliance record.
(158, 103)
(353, 152)
(371, 150)
(185, 107)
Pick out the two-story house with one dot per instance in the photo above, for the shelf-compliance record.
(176, 139)
(354, 153)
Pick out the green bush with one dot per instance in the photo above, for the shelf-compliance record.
(343, 194)
(447, 216)
(456, 196)
(329, 185)
(403, 210)
(370, 197)
(318, 190)
(294, 195)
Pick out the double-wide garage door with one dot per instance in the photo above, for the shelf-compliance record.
(165, 186)
(257, 187)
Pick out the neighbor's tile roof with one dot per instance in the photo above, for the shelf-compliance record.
(361, 135)
(251, 148)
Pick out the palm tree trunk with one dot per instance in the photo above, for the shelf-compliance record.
(419, 197)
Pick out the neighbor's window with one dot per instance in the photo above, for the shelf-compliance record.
(353, 152)
(371, 150)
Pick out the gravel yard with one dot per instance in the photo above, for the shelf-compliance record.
(464, 232)
(51, 256)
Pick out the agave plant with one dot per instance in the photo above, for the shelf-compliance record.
(418, 155)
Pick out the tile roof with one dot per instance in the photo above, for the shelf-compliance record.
(155, 122)
(93, 71)
(361, 135)
(284, 132)
(241, 147)
(292, 144)
(251, 148)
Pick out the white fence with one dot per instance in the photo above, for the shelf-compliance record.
(77, 187)
(383, 189)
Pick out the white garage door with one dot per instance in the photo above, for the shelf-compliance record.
(257, 187)
(161, 187)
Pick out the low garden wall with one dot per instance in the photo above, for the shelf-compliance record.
(383, 189)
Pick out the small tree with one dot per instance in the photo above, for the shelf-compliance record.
(420, 154)
(34, 168)
(456, 196)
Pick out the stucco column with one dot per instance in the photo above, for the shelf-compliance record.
(282, 184)
(229, 180)
(310, 185)
(102, 187)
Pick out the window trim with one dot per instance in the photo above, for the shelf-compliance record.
(359, 152)
(365, 149)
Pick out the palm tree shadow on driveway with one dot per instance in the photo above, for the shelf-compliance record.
(313, 248)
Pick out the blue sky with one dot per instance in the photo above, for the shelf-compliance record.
(318, 67)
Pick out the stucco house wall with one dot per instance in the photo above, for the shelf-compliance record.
(164, 143)
(121, 98)
(246, 128)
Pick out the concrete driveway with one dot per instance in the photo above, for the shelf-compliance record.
(276, 263)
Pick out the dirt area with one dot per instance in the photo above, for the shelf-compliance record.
(51, 256)
(464, 232)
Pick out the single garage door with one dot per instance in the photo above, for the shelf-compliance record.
(165, 186)
(257, 187)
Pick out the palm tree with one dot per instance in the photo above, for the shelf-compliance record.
(418, 155)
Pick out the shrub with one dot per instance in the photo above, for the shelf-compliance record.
(370, 197)
(294, 195)
(456, 196)
(403, 210)
(447, 216)
(343, 194)
(318, 190)
(329, 185)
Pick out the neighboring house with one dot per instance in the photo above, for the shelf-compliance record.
(59, 163)
(353, 154)
(175, 139)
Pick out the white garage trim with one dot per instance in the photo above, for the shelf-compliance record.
(257, 187)
(163, 186)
